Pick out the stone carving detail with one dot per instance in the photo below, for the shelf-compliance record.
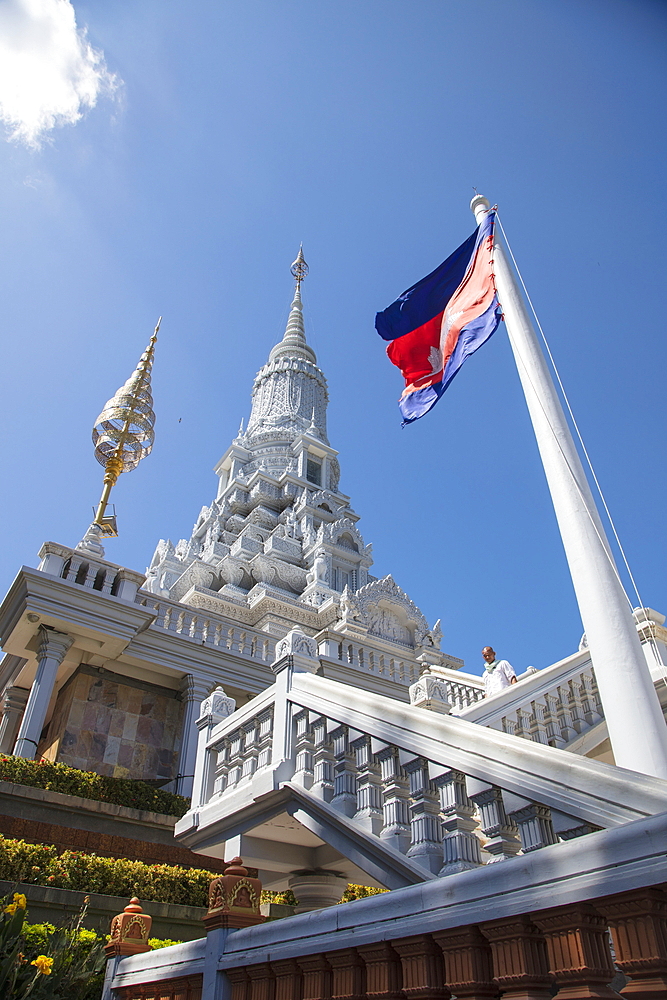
(430, 692)
(218, 704)
(319, 573)
(296, 643)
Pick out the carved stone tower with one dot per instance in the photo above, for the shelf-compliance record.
(280, 538)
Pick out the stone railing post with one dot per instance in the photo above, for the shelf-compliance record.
(130, 931)
(638, 924)
(383, 971)
(468, 963)
(52, 650)
(423, 968)
(316, 977)
(520, 966)
(578, 950)
(288, 978)
(295, 653)
(214, 709)
(348, 974)
(233, 902)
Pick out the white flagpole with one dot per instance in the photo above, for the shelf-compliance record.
(635, 722)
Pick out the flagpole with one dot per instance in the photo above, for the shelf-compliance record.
(635, 722)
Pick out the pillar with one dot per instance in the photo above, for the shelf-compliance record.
(193, 691)
(578, 951)
(52, 650)
(638, 924)
(13, 706)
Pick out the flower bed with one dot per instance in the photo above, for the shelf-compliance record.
(88, 785)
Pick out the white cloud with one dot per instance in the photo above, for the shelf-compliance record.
(49, 72)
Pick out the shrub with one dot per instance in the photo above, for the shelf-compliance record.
(45, 962)
(89, 785)
(42, 865)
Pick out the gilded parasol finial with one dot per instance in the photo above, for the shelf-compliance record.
(123, 434)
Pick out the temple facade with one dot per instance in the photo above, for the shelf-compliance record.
(114, 684)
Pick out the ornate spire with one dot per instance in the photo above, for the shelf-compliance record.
(294, 342)
(123, 434)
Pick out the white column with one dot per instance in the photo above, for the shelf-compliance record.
(52, 650)
(194, 692)
(635, 722)
(13, 705)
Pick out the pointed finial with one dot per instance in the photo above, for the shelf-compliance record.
(299, 268)
(240, 428)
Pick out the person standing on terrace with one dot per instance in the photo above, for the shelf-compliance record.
(498, 674)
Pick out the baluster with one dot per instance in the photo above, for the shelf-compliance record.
(537, 728)
(221, 779)
(345, 786)
(535, 826)
(303, 749)
(250, 749)
(323, 761)
(242, 643)
(197, 628)
(396, 801)
(91, 573)
(459, 842)
(369, 790)
(503, 841)
(107, 583)
(565, 722)
(265, 743)
(161, 612)
(235, 758)
(425, 844)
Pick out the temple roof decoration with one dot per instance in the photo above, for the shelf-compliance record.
(279, 533)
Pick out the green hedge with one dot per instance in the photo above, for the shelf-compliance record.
(87, 784)
(41, 864)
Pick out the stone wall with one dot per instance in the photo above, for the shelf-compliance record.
(115, 725)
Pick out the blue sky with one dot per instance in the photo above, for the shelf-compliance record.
(229, 133)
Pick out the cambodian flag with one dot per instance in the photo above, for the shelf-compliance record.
(441, 321)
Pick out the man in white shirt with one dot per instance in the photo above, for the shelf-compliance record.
(498, 674)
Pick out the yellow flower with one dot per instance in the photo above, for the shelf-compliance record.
(43, 963)
(20, 903)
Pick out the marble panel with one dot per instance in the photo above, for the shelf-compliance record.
(112, 750)
(117, 722)
(130, 727)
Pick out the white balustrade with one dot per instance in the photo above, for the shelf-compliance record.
(446, 798)
(208, 629)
